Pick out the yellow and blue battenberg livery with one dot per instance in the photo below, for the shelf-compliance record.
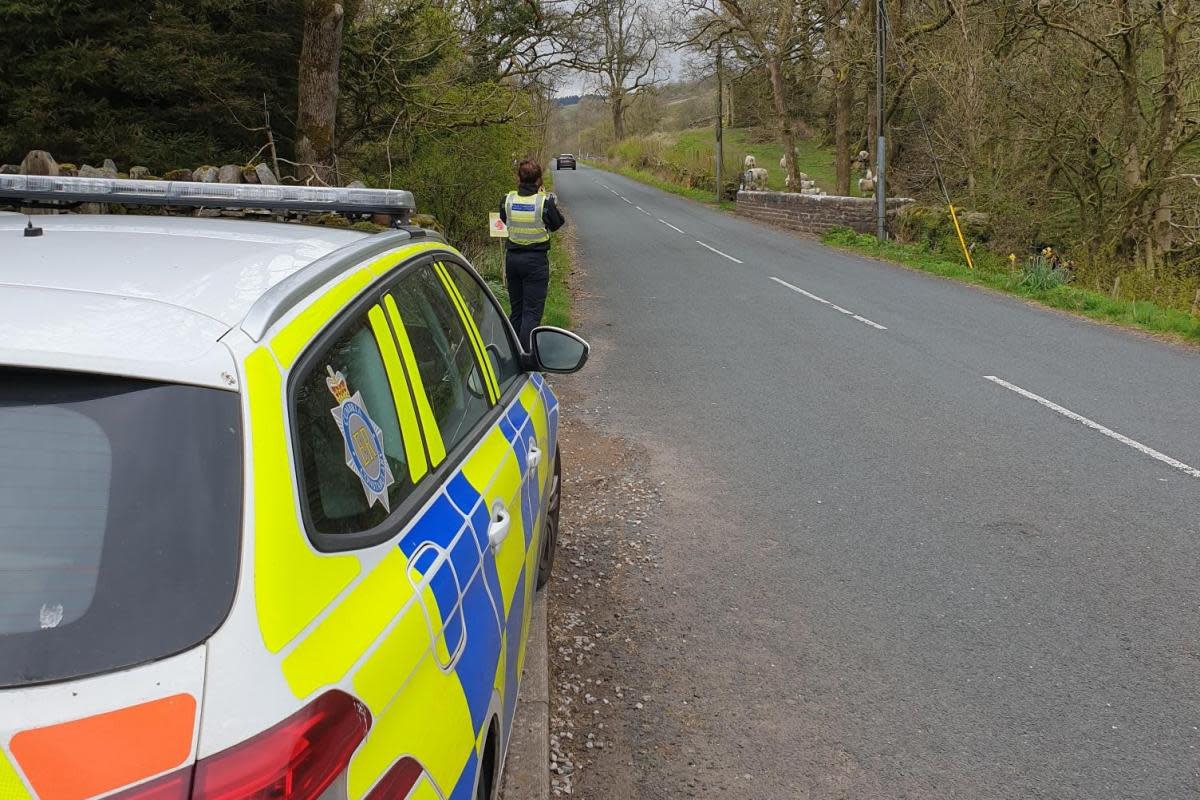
(396, 485)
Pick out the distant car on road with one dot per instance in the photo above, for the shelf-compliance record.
(275, 501)
(565, 161)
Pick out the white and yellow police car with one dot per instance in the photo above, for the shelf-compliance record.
(274, 501)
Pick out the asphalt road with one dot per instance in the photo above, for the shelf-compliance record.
(884, 573)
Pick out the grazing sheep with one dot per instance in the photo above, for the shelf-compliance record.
(755, 179)
(866, 184)
(750, 163)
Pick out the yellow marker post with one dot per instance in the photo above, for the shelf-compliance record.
(961, 240)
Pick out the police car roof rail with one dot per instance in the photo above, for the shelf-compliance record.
(285, 295)
(43, 189)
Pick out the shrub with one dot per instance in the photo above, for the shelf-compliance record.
(1042, 274)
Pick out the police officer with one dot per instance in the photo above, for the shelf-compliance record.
(531, 215)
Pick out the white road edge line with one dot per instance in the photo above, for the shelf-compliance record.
(1096, 426)
(718, 252)
(669, 225)
(626, 199)
(644, 211)
(834, 306)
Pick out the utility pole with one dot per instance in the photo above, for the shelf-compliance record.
(720, 118)
(881, 139)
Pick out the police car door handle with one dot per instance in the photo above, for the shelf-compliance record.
(499, 526)
(535, 455)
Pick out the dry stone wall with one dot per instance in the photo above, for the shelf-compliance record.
(815, 214)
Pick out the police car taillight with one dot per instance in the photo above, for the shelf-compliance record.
(173, 786)
(397, 781)
(297, 759)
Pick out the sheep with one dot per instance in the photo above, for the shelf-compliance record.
(755, 179)
(860, 161)
(750, 163)
(866, 184)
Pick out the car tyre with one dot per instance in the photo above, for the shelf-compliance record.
(550, 526)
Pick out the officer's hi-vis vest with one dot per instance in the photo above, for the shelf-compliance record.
(524, 215)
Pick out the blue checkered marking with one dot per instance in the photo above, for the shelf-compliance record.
(476, 619)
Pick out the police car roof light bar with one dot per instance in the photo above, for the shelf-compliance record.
(40, 188)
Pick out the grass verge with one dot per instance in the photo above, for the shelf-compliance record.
(991, 273)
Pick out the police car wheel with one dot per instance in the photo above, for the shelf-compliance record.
(550, 530)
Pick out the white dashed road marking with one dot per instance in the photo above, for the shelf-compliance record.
(715, 250)
(834, 306)
(644, 211)
(626, 199)
(1096, 426)
(669, 225)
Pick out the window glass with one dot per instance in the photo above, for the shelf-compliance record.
(492, 326)
(445, 358)
(353, 468)
(120, 521)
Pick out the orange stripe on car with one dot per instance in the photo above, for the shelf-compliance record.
(94, 755)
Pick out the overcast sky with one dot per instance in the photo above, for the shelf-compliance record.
(671, 62)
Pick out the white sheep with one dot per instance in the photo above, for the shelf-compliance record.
(750, 163)
(866, 184)
(755, 179)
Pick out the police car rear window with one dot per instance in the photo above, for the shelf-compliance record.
(120, 518)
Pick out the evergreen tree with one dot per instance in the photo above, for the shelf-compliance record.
(162, 83)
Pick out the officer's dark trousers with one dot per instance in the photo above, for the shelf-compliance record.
(528, 276)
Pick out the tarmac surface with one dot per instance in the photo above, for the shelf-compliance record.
(837, 529)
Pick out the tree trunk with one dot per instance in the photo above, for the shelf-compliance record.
(618, 117)
(316, 117)
(841, 97)
(841, 132)
(782, 123)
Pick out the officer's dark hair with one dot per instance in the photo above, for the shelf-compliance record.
(530, 172)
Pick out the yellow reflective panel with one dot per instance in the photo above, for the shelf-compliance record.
(492, 470)
(388, 668)
(11, 785)
(531, 399)
(291, 341)
(414, 448)
(343, 637)
(293, 583)
(433, 435)
(388, 262)
(424, 791)
(468, 322)
(429, 720)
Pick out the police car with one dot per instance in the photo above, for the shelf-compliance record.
(274, 501)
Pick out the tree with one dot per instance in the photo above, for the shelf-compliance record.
(316, 116)
(768, 32)
(617, 42)
(160, 84)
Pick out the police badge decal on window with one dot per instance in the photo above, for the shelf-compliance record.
(363, 440)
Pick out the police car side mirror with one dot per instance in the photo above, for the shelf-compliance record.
(556, 350)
